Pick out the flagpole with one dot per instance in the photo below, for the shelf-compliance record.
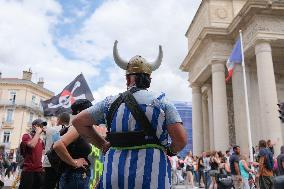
(246, 98)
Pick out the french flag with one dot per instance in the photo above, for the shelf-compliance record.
(235, 58)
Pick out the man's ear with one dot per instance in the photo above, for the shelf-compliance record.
(128, 80)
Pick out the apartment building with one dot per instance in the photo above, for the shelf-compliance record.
(19, 106)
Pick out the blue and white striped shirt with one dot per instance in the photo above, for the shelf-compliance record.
(144, 168)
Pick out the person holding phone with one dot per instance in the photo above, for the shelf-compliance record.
(31, 149)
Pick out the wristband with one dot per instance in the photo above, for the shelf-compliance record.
(170, 152)
(76, 162)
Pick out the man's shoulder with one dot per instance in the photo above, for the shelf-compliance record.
(26, 137)
(234, 157)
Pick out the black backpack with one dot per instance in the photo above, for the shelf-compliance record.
(268, 160)
(56, 163)
(19, 158)
(23, 149)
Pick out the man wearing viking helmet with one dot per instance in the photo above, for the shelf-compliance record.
(139, 126)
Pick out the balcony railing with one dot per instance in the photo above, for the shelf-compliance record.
(19, 103)
(7, 124)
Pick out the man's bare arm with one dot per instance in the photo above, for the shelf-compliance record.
(178, 136)
(32, 143)
(236, 165)
(84, 125)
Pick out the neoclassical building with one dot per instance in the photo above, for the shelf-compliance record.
(218, 108)
(19, 106)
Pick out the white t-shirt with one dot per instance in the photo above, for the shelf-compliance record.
(51, 136)
(174, 162)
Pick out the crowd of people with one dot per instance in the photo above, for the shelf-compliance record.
(8, 164)
(195, 171)
(204, 171)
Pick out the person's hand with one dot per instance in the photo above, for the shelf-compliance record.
(105, 147)
(38, 130)
(80, 163)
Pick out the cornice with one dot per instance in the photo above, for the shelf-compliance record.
(195, 17)
(26, 83)
(251, 8)
(207, 32)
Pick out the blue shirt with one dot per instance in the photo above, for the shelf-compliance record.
(233, 159)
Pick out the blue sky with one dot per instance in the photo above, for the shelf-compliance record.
(59, 39)
(70, 28)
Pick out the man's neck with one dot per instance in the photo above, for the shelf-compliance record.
(131, 85)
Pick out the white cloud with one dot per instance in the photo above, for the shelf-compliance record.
(26, 42)
(139, 26)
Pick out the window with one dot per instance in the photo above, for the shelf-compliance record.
(40, 105)
(31, 117)
(9, 115)
(12, 97)
(6, 137)
(33, 100)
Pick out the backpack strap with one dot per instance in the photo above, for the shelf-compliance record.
(115, 105)
(138, 114)
(113, 108)
(131, 103)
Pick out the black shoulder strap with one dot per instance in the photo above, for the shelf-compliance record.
(138, 114)
(113, 108)
(135, 110)
(115, 105)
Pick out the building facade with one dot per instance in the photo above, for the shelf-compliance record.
(218, 108)
(19, 106)
(185, 111)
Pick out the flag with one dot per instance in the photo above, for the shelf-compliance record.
(235, 58)
(77, 89)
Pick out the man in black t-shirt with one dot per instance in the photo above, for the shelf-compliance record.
(280, 161)
(234, 166)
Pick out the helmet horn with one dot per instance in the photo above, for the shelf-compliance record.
(119, 61)
(157, 63)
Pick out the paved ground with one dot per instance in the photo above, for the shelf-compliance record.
(174, 187)
(183, 187)
(8, 183)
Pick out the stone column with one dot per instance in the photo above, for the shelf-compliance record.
(220, 109)
(268, 94)
(197, 121)
(210, 115)
(240, 117)
(206, 141)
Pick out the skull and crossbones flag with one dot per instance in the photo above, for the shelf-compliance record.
(77, 89)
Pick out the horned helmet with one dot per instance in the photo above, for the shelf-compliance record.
(137, 64)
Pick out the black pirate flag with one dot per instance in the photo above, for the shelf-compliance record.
(77, 89)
